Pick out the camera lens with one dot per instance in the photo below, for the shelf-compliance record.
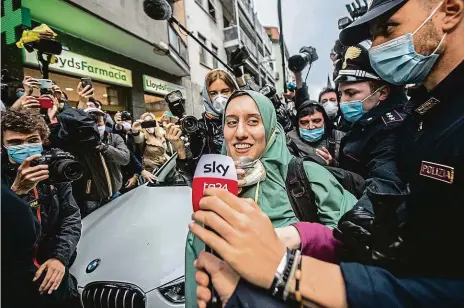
(68, 169)
(189, 124)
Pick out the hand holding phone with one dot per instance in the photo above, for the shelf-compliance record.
(87, 81)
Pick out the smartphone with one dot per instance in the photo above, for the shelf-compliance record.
(86, 81)
(45, 84)
(149, 124)
(45, 102)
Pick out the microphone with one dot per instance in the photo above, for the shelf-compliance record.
(157, 9)
(213, 171)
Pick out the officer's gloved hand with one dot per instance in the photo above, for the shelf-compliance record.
(354, 231)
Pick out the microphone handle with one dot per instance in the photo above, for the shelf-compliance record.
(215, 301)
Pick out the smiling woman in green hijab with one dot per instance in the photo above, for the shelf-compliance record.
(252, 134)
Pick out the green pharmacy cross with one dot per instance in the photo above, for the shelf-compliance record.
(14, 15)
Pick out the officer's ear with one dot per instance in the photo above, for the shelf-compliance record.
(384, 92)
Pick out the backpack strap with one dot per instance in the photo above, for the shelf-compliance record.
(300, 193)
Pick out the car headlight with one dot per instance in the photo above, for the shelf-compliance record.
(174, 291)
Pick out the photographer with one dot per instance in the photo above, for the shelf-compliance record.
(297, 64)
(116, 155)
(23, 135)
(219, 86)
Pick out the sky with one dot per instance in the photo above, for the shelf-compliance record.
(307, 23)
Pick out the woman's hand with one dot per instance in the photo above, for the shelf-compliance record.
(173, 134)
(241, 234)
(136, 127)
(224, 279)
(132, 182)
(325, 155)
(148, 176)
(29, 84)
(29, 102)
(84, 94)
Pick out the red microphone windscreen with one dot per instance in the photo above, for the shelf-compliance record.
(213, 171)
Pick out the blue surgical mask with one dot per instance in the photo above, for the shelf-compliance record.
(353, 111)
(19, 153)
(312, 135)
(398, 63)
(20, 93)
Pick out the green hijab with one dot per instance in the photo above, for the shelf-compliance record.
(271, 193)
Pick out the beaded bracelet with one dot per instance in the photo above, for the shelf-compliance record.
(292, 274)
(280, 279)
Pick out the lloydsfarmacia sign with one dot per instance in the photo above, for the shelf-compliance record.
(75, 64)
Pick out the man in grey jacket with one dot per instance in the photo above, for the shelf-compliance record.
(112, 154)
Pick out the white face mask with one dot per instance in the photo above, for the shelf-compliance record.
(101, 130)
(331, 108)
(219, 103)
(126, 126)
(151, 130)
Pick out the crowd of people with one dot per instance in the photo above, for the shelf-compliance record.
(63, 163)
(339, 199)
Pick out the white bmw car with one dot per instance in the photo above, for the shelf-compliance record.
(132, 250)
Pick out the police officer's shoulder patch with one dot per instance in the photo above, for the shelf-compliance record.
(392, 117)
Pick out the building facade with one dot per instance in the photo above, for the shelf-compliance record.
(133, 60)
(274, 36)
(223, 26)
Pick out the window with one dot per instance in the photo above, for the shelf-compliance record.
(216, 52)
(211, 10)
(271, 65)
(202, 50)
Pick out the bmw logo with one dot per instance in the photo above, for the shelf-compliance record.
(92, 266)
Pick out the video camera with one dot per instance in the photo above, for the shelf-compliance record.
(188, 124)
(238, 57)
(270, 92)
(298, 62)
(61, 165)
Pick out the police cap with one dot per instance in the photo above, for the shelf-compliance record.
(355, 65)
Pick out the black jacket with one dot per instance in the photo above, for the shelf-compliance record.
(370, 148)
(432, 163)
(60, 218)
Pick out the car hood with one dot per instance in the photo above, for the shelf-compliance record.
(139, 238)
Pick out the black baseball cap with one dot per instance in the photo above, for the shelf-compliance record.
(358, 31)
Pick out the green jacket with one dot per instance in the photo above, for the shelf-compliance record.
(271, 195)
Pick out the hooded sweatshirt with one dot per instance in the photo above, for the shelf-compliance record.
(271, 195)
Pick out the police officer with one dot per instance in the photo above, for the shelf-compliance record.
(416, 42)
(374, 109)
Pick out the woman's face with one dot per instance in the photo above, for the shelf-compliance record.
(244, 132)
(313, 121)
(218, 87)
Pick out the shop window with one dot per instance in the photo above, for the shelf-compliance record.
(215, 61)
